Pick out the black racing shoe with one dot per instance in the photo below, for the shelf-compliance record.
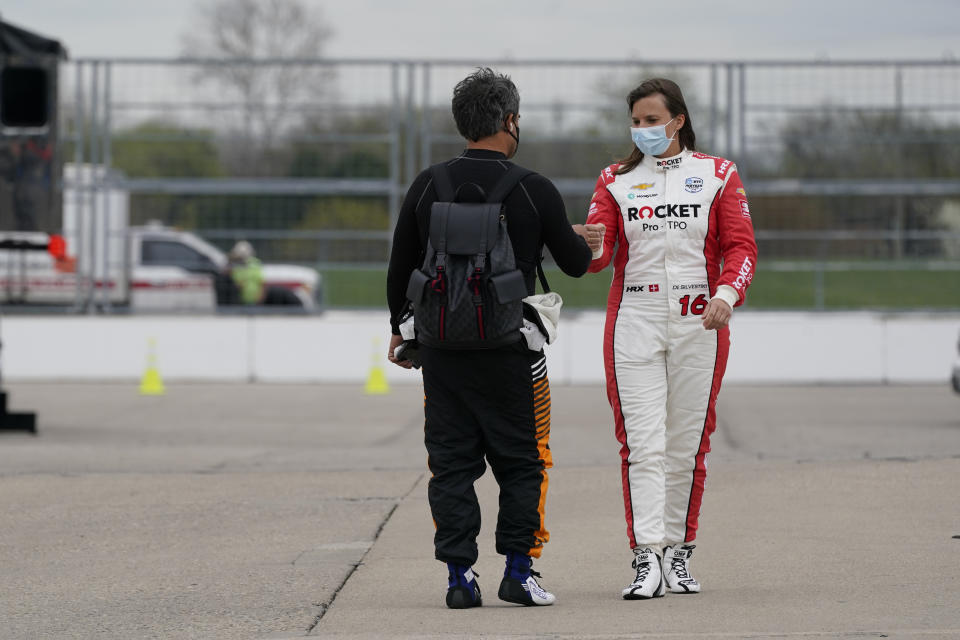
(519, 584)
(463, 592)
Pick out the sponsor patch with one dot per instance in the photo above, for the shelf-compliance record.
(643, 186)
(641, 288)
(742, 191)
(693, 185)
(664, 211)
(672, 163)
(744, 209)
(745, 276)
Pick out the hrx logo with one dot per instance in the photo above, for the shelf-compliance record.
(639, 288)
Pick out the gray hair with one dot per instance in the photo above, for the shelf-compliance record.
(482, 101)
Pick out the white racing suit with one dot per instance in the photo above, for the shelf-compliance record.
(679, 232)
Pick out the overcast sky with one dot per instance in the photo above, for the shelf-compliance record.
(605, 29)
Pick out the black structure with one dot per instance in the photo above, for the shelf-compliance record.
(29, 164)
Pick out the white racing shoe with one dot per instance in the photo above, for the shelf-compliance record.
(676, 569)
(648, 582)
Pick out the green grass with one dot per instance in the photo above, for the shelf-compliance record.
(860, 289)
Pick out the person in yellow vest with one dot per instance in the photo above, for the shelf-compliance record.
(247, 273)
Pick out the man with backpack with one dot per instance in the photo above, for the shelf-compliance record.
(466, 251)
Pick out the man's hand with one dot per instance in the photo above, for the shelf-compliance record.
(717, 314)
(592, 233)
(396, 341)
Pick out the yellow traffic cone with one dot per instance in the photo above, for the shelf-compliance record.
(151, 384)
(377, 379)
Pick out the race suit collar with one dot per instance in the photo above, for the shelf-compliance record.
(663, 164)
(483, 154)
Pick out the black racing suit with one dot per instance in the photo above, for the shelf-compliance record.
(491, 402)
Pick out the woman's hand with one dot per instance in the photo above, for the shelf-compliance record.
(717, 314)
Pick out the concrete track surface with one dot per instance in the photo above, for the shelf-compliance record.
(261, 511)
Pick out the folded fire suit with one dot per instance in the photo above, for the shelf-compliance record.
(679, 232)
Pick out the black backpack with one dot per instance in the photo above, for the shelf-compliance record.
(468, 293)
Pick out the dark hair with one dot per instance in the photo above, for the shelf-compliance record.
(482, 101)
(673, 98)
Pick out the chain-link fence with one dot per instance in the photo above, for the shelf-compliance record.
(852, 168)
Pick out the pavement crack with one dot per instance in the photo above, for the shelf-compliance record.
(325, 606)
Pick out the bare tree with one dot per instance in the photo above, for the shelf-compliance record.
(268, 54)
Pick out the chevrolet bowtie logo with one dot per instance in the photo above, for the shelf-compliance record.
(642, 186)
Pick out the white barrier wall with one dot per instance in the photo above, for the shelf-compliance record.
(767, 347)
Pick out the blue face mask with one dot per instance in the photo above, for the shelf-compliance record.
(651, 140)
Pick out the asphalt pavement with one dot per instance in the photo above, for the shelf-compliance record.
(287, 511)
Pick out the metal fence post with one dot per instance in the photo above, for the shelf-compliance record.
(78, 193)
(395, 136)
(425, 114)
(714, 108)
(900, 204)
(94, 184)
(728, 149)
(106, 160)
(742, 117)
(410, 146)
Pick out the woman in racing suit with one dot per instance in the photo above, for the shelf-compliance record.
(679, 232)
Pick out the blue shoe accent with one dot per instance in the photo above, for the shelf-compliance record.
(518, 566)
(463, 592)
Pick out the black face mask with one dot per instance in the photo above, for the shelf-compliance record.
(515, 136)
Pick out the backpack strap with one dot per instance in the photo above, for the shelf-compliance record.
(543, 278)
(442, 183)
(507, 183)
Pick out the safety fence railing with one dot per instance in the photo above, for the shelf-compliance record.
(846, 163)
